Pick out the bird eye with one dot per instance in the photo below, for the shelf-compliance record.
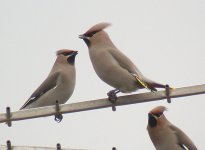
(158, 115)
(67, 53)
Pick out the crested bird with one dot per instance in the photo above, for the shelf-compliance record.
(58, 86)
(165, 135)
(112, 66)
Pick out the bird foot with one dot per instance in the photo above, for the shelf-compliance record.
(58, 118)
(112, 97)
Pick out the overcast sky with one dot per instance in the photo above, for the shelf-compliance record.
(164, 38)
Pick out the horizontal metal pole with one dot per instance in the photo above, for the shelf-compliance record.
(4, 147)
(102, 103)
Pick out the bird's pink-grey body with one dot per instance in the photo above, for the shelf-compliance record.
(111, 65)
(59, 85)
(165, 135)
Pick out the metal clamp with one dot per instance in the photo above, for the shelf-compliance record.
(8, 116)
(58, 146)
(8, 143)
(113, 107)
(57, 107)
(58, 115)
(168, 93)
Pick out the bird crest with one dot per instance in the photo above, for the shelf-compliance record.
(98, 27)
(158, 110)
(64, 51)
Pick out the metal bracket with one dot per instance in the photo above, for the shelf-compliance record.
(113, 107)
(58, 115)
(8, 116)
(168, 93)
(8, 143)
(58, 146)
(57, 108)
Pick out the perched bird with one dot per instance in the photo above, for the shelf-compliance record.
(112, 66)
(58, 86)
(164, 135)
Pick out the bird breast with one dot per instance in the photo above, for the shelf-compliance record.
(163, 138)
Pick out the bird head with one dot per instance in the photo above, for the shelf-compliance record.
(155, 115)
(67, 54)
(90, 34)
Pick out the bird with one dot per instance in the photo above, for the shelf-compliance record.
(58, 86)
(112, 66)
(164, 135)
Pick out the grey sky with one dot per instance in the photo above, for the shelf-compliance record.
(165, 39)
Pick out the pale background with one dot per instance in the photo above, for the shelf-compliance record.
(164, 38)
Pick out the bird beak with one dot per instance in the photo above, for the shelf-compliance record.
(82, 36)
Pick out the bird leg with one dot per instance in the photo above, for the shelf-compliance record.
(112, 97)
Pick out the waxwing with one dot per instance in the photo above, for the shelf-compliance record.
(164, 135)
(112, 66)
(58, 86)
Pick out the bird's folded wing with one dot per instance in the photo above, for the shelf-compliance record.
(183, 139)
(124, 62)
(128, 65)
(49, 83)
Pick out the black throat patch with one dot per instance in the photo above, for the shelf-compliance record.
(71, 60)
(87, 41)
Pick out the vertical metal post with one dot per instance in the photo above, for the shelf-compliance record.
(8, 143)
(168, 93)
(58, 146)
(8, 116)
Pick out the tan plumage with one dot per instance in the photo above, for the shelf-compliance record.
(59, 85)
(111, 65)
(165, 135)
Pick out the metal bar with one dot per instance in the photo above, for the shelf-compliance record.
(4, 147)
(103, 103)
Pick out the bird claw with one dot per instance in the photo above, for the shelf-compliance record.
(112, 97)
(58, 118)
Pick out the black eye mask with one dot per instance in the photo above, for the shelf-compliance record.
(67, 53)
(152, 120)
(91, 34)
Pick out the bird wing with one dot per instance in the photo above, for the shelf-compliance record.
(184, 140)
(127, 64)
(49, 83)
(124, 62)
